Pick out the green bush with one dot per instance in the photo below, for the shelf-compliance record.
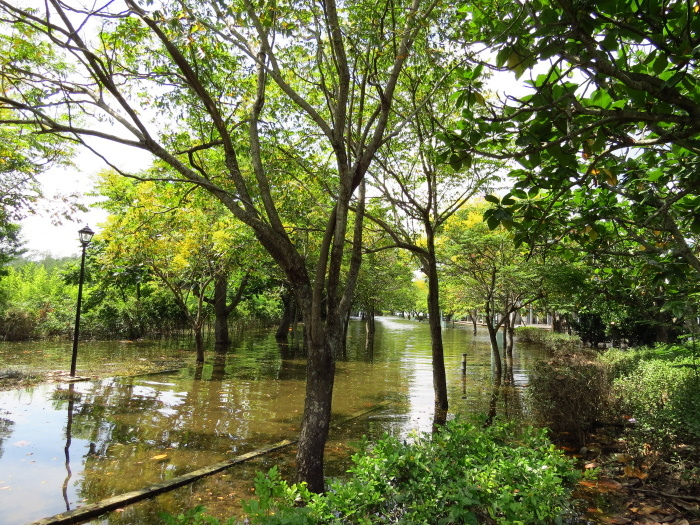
(531, 334)
(561, 343)
(36, 303)
(553, 341)
(462, 474)
(569, 393)
(660, 389)
(17, 325)
(621, 363)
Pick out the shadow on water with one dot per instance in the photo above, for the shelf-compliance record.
(122, 434)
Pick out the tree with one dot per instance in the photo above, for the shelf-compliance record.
(384, 283)
(419, 192)
(607, 136)
(495, 272)
(192, 247)
(240, 91)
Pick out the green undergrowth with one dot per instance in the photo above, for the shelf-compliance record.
(660, 389)
(552, 341)
(462, 474)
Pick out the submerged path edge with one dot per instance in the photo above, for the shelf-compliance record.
(93, 510)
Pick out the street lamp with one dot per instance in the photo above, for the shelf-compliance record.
(85, 234)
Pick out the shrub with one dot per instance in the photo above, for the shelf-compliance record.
(530, 334)
(553, 341)
(462, 474)
(561, 343)
(17, 325)
(660, 388)
(569, 393)
(621, 363)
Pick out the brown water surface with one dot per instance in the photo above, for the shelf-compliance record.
(62, 446)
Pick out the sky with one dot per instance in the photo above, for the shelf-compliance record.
(43, 237)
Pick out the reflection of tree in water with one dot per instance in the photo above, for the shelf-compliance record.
(131, 425)
(5, 432)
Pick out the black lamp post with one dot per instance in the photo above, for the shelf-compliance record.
(85, 235)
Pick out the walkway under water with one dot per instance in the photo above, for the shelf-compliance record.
(62, 446)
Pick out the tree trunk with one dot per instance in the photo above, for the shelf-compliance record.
(493, 402)
(509, 335)
(370, 329)
(493, 338)
(320, 374)
(218, 372)
(221, 311)
(287, 316)
(346, 325)
(439, 376)
(199, 344)
(508, 377)
(473, 317)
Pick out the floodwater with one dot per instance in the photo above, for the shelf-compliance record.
(64, 446)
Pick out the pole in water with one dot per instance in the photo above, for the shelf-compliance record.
(464, 364)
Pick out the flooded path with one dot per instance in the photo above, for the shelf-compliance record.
(64, 446)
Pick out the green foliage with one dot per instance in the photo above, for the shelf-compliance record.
(621, 363)
(37, 299)
(660, 388)
(385, 283)
(531, 334)
(462, 474)
(265, 306)
(603, 141)
(35, 302)
(569, 392)
(554, 342)
(561, 343)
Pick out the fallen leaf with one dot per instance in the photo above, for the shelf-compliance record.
(632, 472)
(159, 457)
(646, 511)
(592, 465)
(602, 485)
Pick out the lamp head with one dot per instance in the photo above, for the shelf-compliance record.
(85, 235)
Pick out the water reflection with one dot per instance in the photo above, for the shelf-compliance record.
(66, 449)
(123, 434)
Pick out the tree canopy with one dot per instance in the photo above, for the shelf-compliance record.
(605, 142)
